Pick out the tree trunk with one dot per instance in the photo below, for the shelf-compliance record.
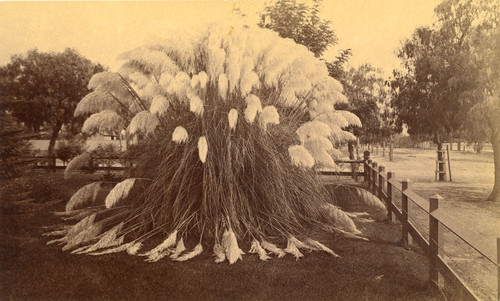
(495, 142)
(391, 151)
(440, 158)
(52, 143)
(383, 149)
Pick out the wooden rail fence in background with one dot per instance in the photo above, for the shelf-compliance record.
(384, 186)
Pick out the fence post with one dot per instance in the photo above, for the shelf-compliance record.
(366, 158)
(390, 197)
(381, 182)
(374, 178)
(369, 173)
(435, 241)
(404, 210)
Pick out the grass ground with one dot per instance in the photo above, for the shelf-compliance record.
(472, 181)
(378, 269)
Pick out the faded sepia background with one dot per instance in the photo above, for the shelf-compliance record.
(102, 30)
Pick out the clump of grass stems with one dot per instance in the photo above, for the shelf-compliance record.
(241, 184)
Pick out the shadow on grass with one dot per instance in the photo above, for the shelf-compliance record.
(373, 270)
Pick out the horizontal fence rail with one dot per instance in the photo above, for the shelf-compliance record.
(385, 186)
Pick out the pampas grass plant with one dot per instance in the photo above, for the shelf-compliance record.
(206, 175)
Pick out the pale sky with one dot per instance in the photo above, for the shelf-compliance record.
(100, 31)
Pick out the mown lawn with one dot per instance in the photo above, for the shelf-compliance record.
(378, 269)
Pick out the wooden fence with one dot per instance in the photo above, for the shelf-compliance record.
(385, 187)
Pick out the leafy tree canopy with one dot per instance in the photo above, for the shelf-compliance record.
(368, 99)
(301, 23)
(442, 81)
(44, 88)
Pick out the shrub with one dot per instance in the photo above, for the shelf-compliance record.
(15, 148)
(230, 129)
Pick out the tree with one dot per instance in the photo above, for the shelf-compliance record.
(483, 121)
(365, 89)
(230, 140)
(45, 87)
(301, 23)
(441, 83)
(336, 68)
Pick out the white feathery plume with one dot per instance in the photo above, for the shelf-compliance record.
(269, 115)
(233, 63)
(107, 122)
(311, 128)
(222, 86)
(143, 122)
(95, 102)
(333, 119)
(119, 192)
(219, 253)
(340, 136)
(253, 107)
(76, 229)
(76, 163)
(162, 249)
(102, 78)
(257, 249)
(252, 100)
(57, 233)
(216, 58)
(251, 113)
(195, 252)
(195, 82)
(324, 106)
(317, 246)
(323, 159)
(159, 105)
(230, 246)
(249, 81)
(291, 248)
(316, 143)
(232, 117)
(149, 92)
(202, 148)
(139, 79)
(165, 80)
(288, 97)
(272, 248)
(341, 219)
(179, 86)
(196, 105)
(178, 249)
(335, 153)
(108, 239)
(300, 156)
(180, 135)
(117, 249)
(351, 118)
(149, 60)
(203, 79)
(84, 196)
(83, 236)
(368, 199)
(134, 247)
(298, 243)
